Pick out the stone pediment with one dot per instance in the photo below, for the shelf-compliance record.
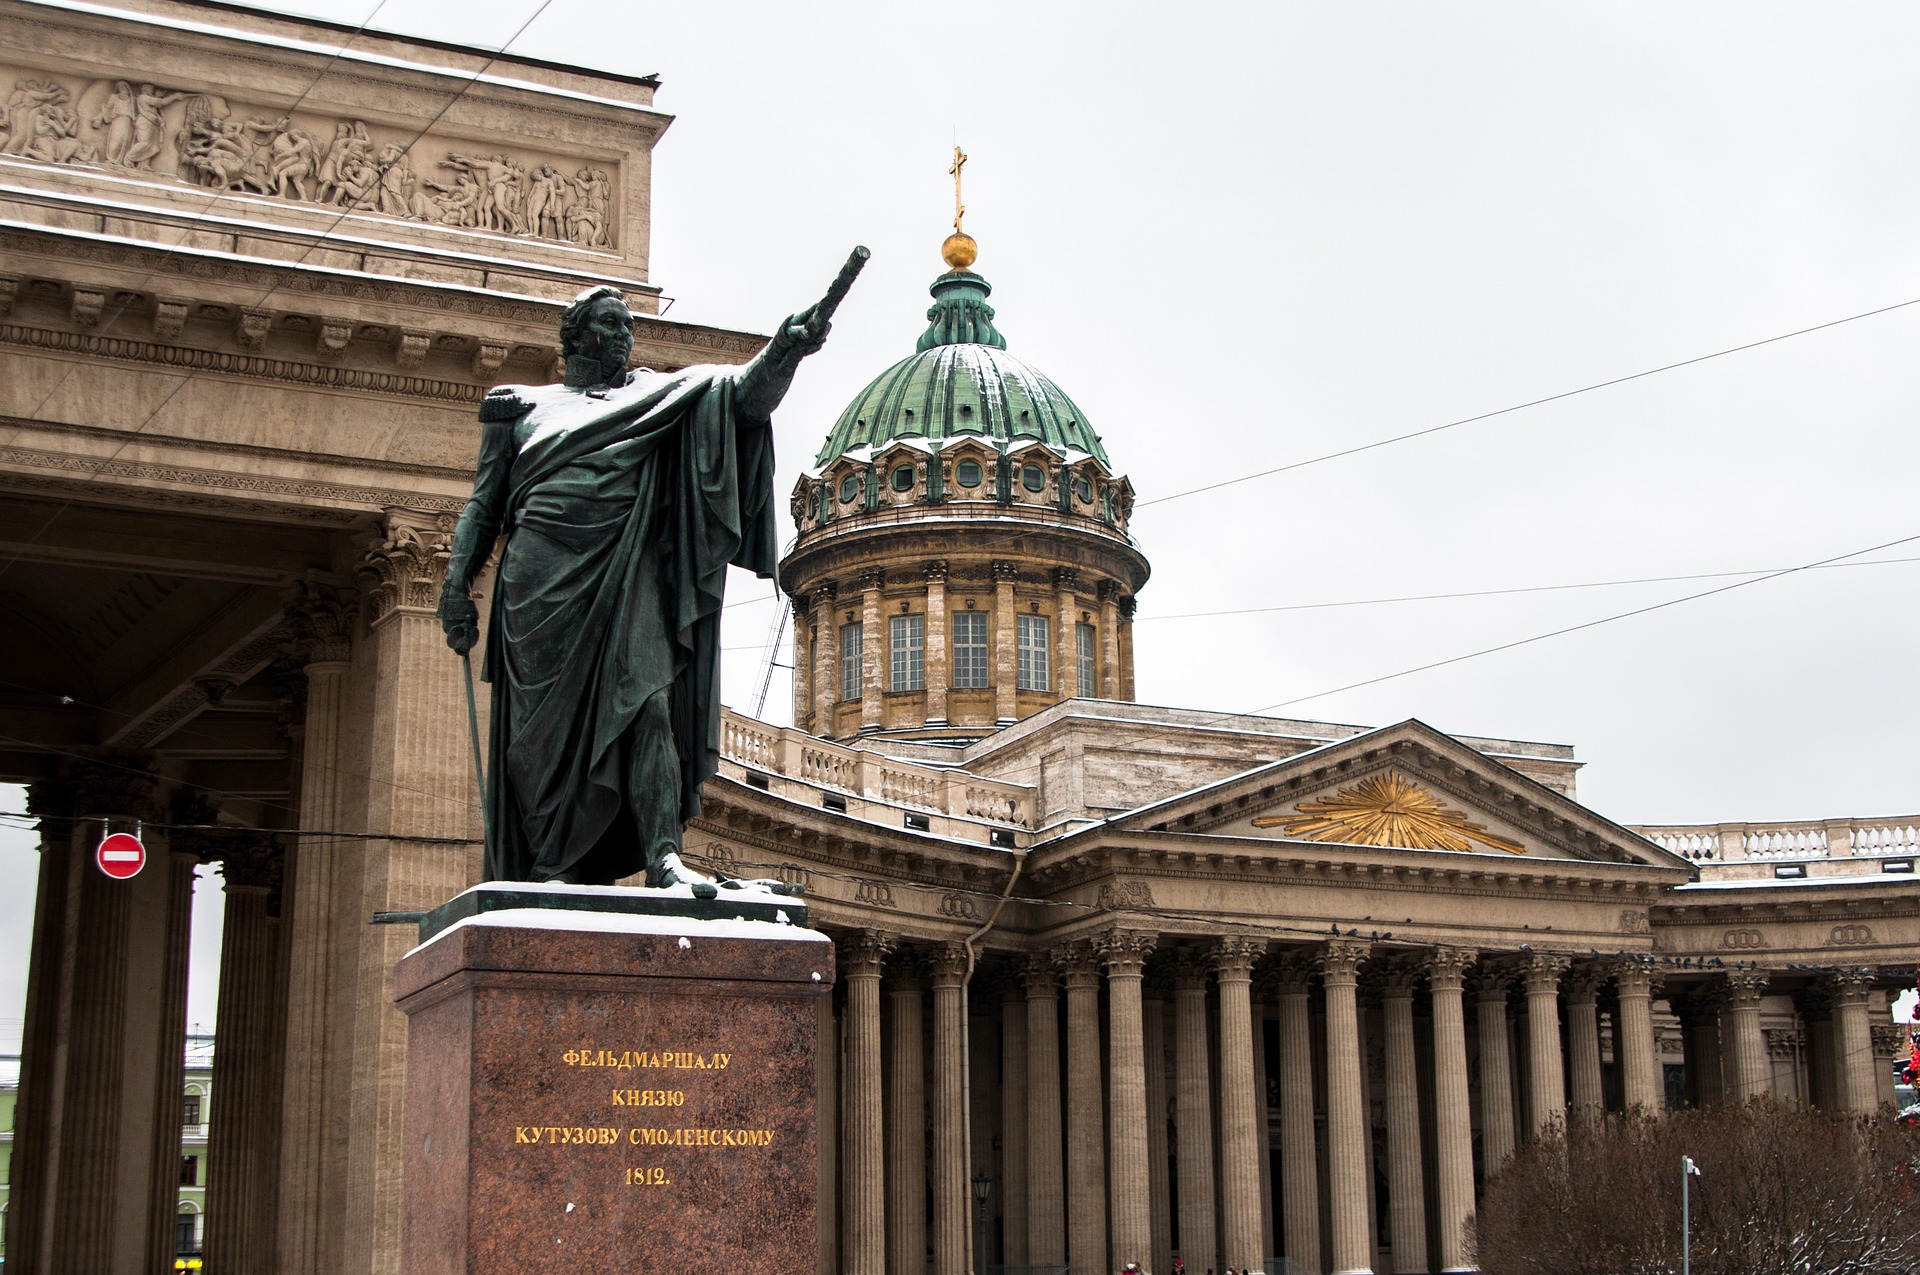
(1404, 787)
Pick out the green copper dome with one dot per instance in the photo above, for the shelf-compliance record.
(961, 382)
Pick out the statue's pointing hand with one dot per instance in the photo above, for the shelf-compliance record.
(799, 336)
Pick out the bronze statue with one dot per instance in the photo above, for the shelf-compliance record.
(624, 496)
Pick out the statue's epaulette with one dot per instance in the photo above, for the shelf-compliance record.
(502, 404)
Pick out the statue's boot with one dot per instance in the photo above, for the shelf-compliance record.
(667, 869)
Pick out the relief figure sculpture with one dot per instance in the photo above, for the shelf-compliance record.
(149, 129)
(624, 496)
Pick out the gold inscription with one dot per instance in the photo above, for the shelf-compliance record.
(700, 1137)
(565, 1136)
(632, 1058)
(649, 1098)
(648, 1177)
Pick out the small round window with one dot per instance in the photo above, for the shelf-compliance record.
(1032, 477)
(903, 478)
(967, 473)
(1083, 489)
(849, 488)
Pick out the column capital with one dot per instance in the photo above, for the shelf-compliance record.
(1542, 971)
(870, 581)
(1584, 981)
(1125, 952)
(320, 620)
(1065, 577)
(863, 953)
(1287, 973)
(1042, 979)
(1078, 963)
(1492, 980)
(1340, 961)
(1005, 572)
(1745, 987)
(113, 784)
(1190, 969)
(1397, 976)
(907, 969)
(1635, 977)
(947, 965)
(937, 571)
(1887, 1039)
(1847, 987)
(824, 593)
(1232, 957)
(1127, 605)
(1446, 968)
(406, 564)
(1784, 1042)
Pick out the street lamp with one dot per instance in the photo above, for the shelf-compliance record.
(982, 1184)
(1688, 1169)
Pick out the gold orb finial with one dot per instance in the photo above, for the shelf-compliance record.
(959, 251)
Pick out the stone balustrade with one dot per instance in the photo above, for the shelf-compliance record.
(1894, 837)
(793, 755)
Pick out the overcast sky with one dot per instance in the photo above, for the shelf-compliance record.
(1243, 237)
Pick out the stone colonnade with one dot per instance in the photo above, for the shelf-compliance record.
(1211, 1098)
(305, 1121)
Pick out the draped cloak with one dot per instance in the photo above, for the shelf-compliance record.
(622, 510)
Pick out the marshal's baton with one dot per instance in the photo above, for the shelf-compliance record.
(837, 291)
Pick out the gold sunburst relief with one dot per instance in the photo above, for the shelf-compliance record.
(1387, 810)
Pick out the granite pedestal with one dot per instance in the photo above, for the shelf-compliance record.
(595, 1086)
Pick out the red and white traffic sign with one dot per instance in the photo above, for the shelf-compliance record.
(121, 855)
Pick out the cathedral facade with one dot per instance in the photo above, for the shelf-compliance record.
(1118, 982)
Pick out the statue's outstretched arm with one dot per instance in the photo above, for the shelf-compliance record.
(481, 520)
(765, 380)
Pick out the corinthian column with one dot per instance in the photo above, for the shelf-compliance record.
(1544, 1084)
(1125, 953)
(948, 963)
(864, 1220)
(1452, 1120)
(1046, 1237)
(1406, 1181)
(1346, 1110)
(237, 1134)
(1013, 1119)
(1589, 1099)
(1640, 1085)
(906, 1119)
(1299, 1158)
(1242, 1113)
(320, 984)
(1496, 1072)
(1750, 1068)
(1086, 1140)
(1193, 1113)
(1154, 1032)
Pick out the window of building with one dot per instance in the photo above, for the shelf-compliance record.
(1084, 490)
(183, 1234)
(903, 478)
(1083, 650)
(850, 639)
(1034, 674)
(190, 1110)
(967, 473)
(1032, 477)
(907, 644)
(189, 1170)
(849, 489)
(969, 649)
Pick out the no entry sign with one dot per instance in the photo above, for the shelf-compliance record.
(120, 855)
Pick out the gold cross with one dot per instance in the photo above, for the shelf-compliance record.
(959, 209)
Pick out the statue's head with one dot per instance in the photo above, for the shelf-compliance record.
(597, 325)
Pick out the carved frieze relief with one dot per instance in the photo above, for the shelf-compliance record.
(217, 143)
